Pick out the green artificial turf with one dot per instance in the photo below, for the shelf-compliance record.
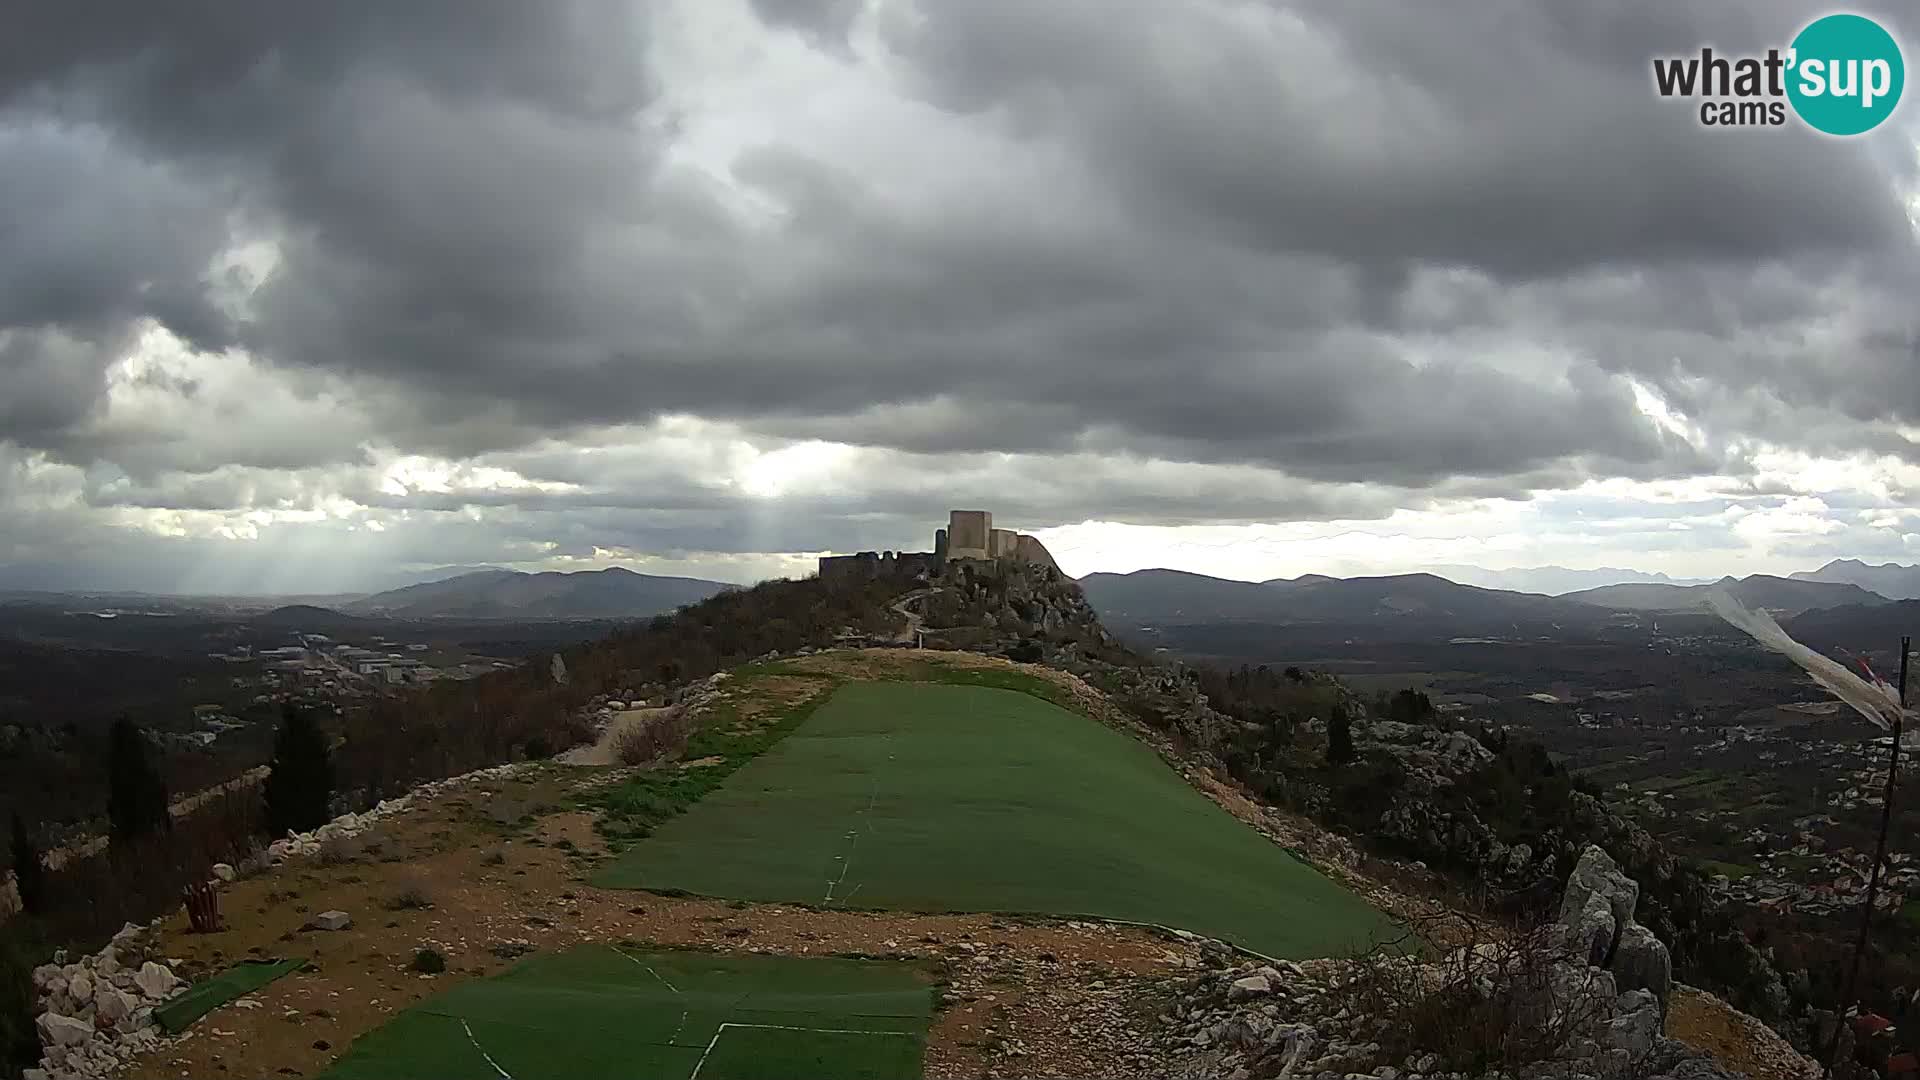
(203, 997)
(599, 1011)
(927, 797)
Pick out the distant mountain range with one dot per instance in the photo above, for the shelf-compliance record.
(1755, 591)
(614, 593)
(1891, 580)
(1553, 580)
(1177, 597)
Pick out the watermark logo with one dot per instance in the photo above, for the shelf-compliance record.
(1841, 75)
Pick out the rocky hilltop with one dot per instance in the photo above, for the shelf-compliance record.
(1586, 996)
(1565, 935)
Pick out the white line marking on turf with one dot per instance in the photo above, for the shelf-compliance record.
(682, 1026)
(873, 797)
(650, 971)
(483, 1051)
(845, 865)
(722, 1030)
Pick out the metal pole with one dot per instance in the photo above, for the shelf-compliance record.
(1879, 855)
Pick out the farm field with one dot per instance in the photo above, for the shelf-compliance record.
(944, 798)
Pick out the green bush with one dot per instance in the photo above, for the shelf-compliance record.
(429, 962)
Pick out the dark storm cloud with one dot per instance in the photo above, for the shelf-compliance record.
(1523, 138)
(1359, 243)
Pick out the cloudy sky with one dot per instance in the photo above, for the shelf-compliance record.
(297, 296)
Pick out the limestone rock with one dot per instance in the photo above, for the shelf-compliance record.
(1591, 930)
(80, 987)
(1596, 874)
(1641, 962)
(223, 871)
(1255, 985)
(332, 920)
(57, 1030)
(154, 980)
(112, 1006)
(1633, 1032)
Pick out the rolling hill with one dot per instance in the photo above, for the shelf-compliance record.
(1553, 580)
(1175, 596)
(1891, 580)
(614, 593)
(1755, 591)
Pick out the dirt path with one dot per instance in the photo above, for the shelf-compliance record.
(604, 750)
(915, 622)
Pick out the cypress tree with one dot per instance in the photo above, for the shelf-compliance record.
(29, 875)
(136, 796)
(299, 790)
(1339, 737)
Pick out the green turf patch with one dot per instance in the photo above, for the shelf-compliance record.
(967, 798)
(633, 808)
(203, 997)
(742, 1052)
(599, 1011)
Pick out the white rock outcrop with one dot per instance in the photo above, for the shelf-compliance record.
(96, 1014)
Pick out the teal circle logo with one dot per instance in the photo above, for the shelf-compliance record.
(1846, 74)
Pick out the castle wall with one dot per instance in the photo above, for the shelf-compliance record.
(1029, 550)
(970, 534)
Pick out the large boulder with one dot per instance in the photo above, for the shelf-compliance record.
(1636, 1027)
(1641, 962)
(1591, 930)
(1596, 875)
(57, 1030)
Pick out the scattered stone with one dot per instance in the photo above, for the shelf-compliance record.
(224, 871)
(1255, 985)
(332, 920)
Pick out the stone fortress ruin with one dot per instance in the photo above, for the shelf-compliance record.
(968, 538)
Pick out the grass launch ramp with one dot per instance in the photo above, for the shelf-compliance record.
(934, 797)
(604, 1011)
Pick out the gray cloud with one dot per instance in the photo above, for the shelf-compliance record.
(1381, 256)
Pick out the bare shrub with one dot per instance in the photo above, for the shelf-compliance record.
(90, 897)
(638, 744)
(411, 897)
(341, 850)
(1501, 1001)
